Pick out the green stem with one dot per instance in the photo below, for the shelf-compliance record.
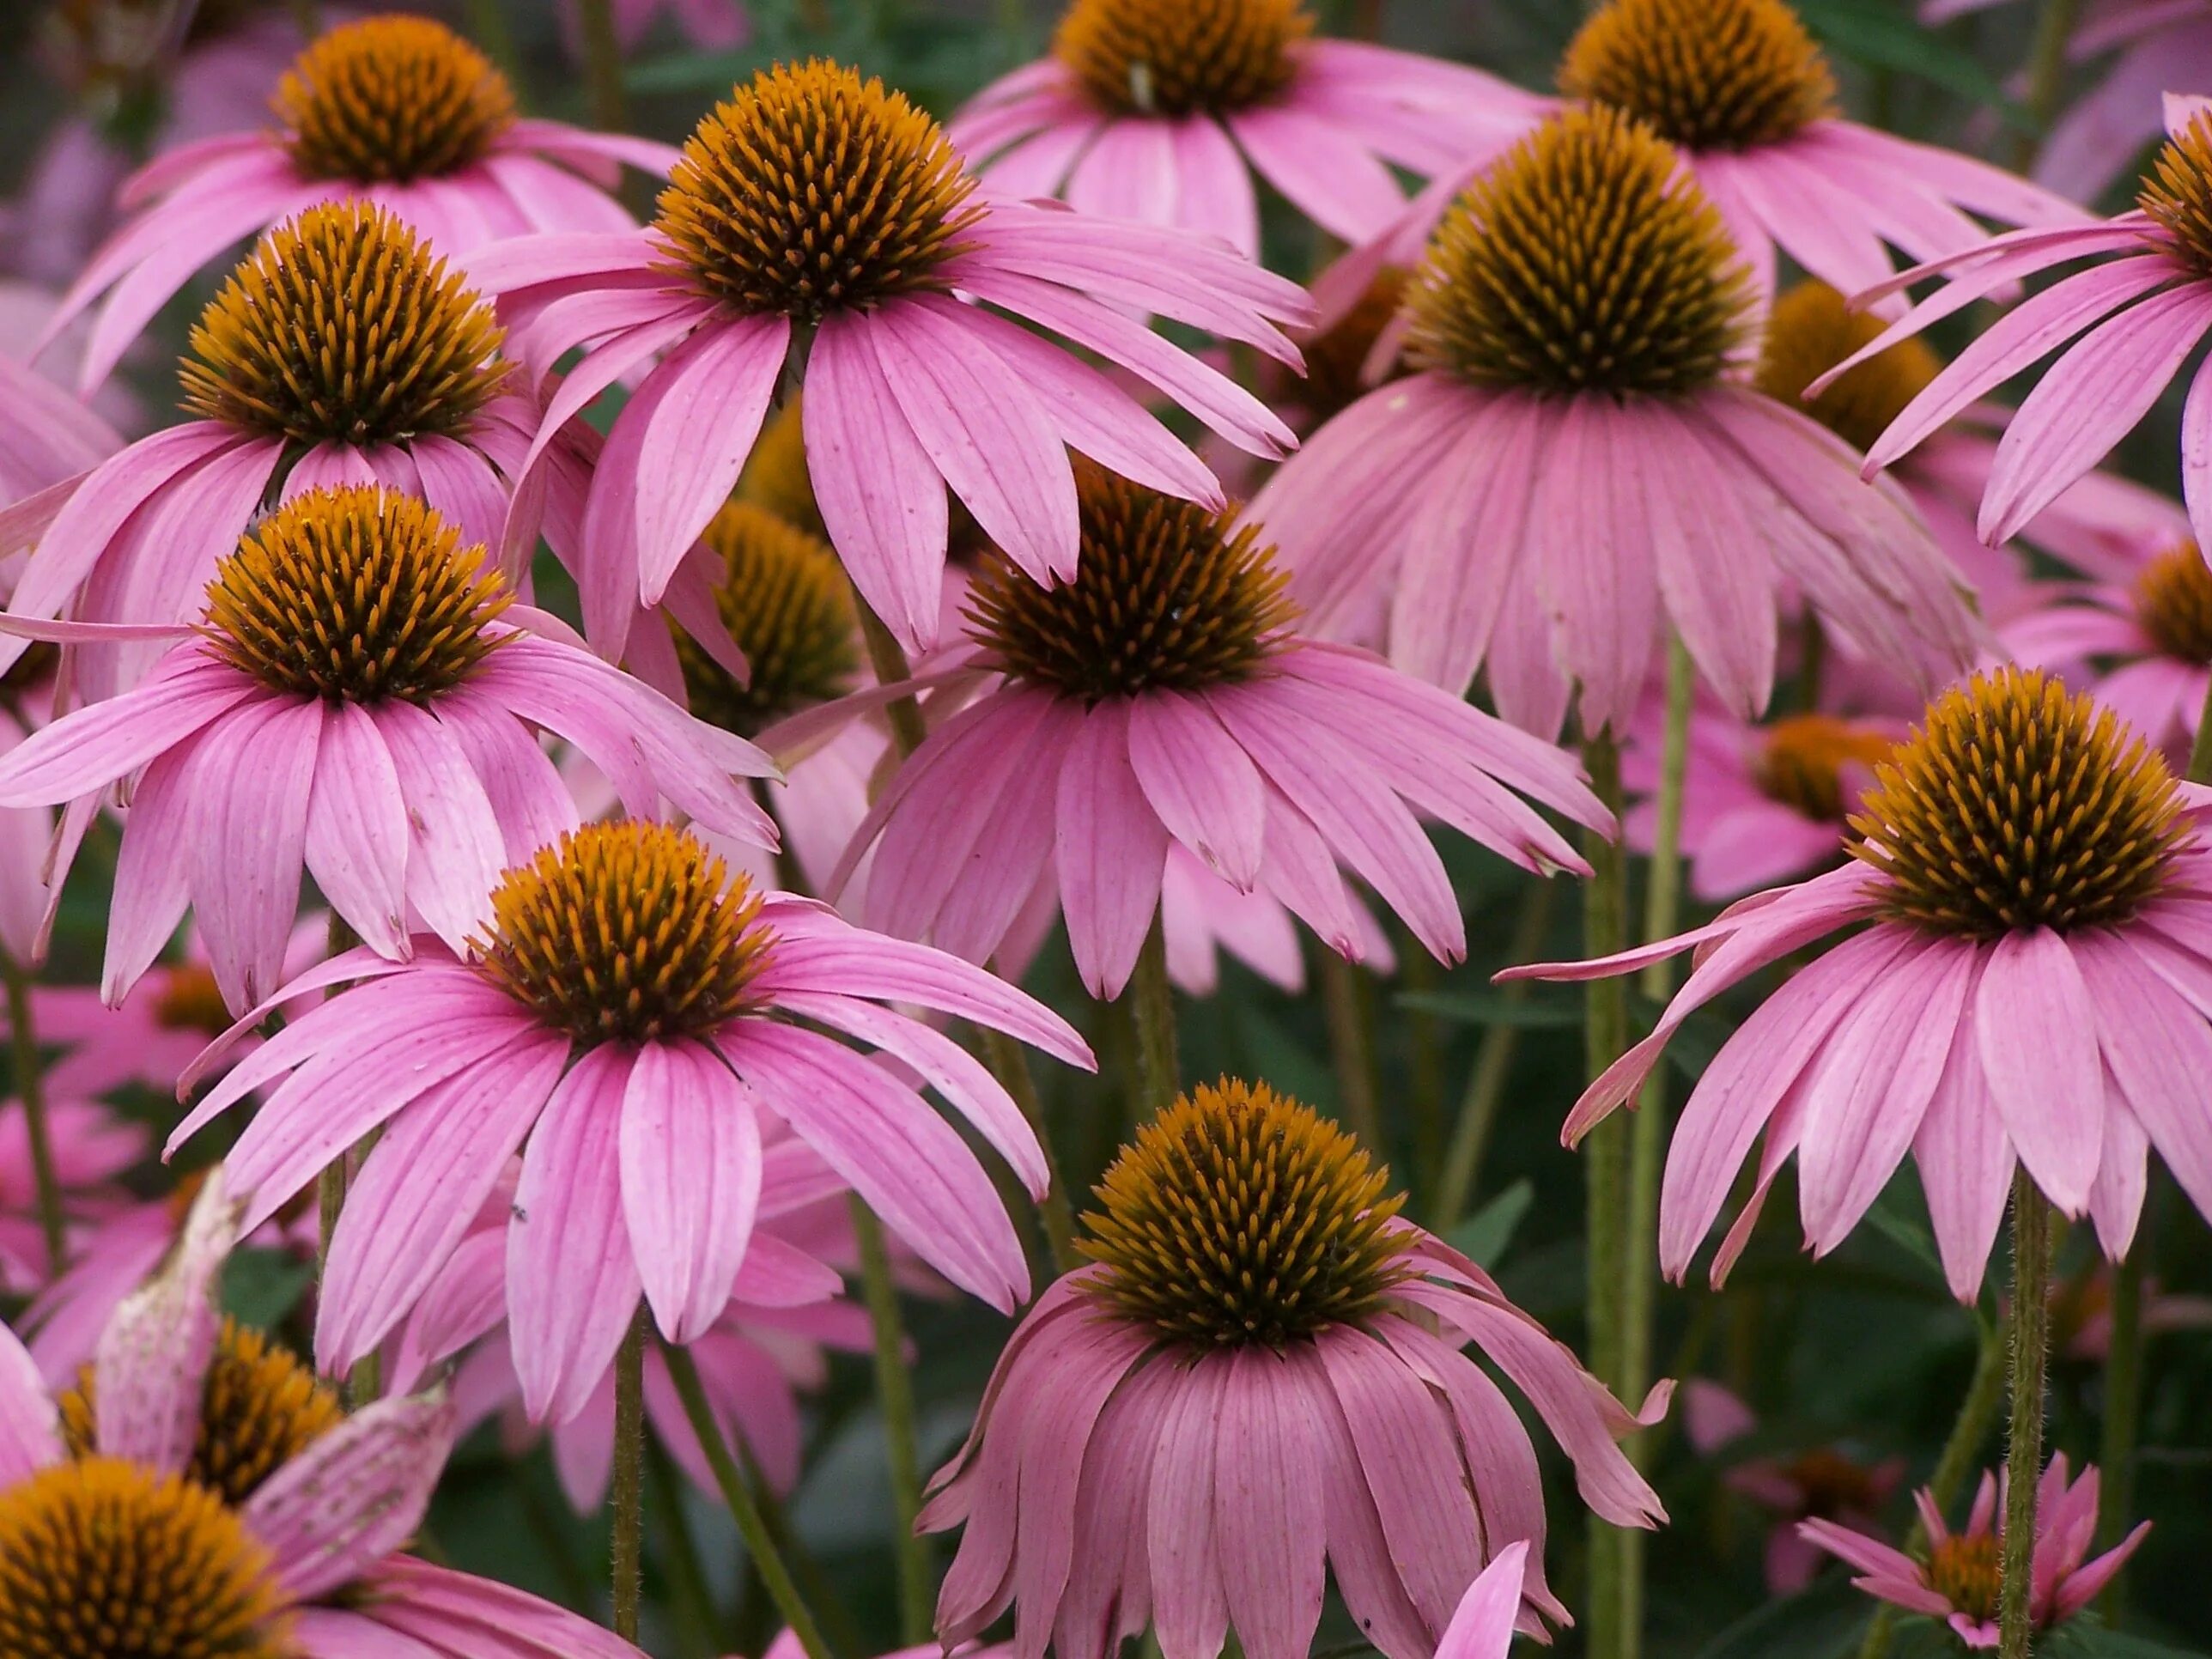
(486, 20)
(1605, 1173)
(2046, 76)
(2031, 1330)
(30, 1090)
(698, 1625)
(890, 667)
(742, 1509)
(2123, 1415)
(1351, 1050)
(1153, 1016)
(1009, 1063)
(895, 1396)
(1493, 1067)
(628, 1497)
(604, 100)
(2200, 751)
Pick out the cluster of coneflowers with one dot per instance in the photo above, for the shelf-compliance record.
(594, 960)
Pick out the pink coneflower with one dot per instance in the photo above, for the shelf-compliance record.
(710, 25)
(2033, 986)
(1958, 1582)
(397, 111)
(1761, 803)
(356, 707)
(2138, 319)
(2081, 1313)
(340, 351)
(223, 1501)
(1164, 110)
(2144, 646)
(92, 1145)
(763, 1349)
(45, 434)
(629, 1012)
(908, 389)
(1259, 1377)
(26, 840)
(1164, 695)
(1665, 491)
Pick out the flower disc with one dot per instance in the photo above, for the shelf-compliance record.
(1181, 57)
(1809, 330)
(2174, 603)
(1706, 74)
(784, 598)
(391, 99)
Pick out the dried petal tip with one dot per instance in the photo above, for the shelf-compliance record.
(100, 1558)
(2018, 807)
(812, 191)
(1705, 74)
(391, 99)
(785, 600)
(630, 931)
(1585, 260)
(1240, 1216)
(1167, 595)
(1181, 57)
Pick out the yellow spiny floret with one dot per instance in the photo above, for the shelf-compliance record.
(1240, 1216)
(2176, 193)
(628, 932)
(812, 191)
(1181, 57)
(786, 604)
(391, 99)
(355, 595)
(341, 327)
(1166, 595)
(2016, 806)
(2174, 603)
(1584, 260)
(1706, 74)
(1803, 757)
(103, 1559)
(1809, 330)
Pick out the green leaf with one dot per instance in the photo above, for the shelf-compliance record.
(2082, 1638)
(1886, 36)
(260, 1287)
(1485, 1235)
(1822, 1623)
(1494, 1007)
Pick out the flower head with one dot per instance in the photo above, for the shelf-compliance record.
(1165, 696)
(2032, 878)
(785, 603)
(1161, 58)
(1726, 76)
(625, 1020)
(1258, 1320)
(391, 99)
(1958, 1578)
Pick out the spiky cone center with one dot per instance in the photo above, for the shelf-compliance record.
(341, 326)
(1239, 1216)
(1167, 596)
(1584, 260)
(102, 1559)
(812, 191)
(260, 1408)
(631, 932)
(1835, 1485)
(2174, 603)
(1965, 1570)
(1801, 761)
(1809, 330)
(2016, 805)
(388, 100)
(786, 602)
(192, 1000)
(2177, 194)
(1706, 74)
(1181, 57)
(355, 595)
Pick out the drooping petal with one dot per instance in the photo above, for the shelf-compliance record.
(691, 1153)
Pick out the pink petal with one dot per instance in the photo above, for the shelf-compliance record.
(2038, 1040)
(455, 852)
(354, 1496)
(30, 1422)
(152, 1360)
(1201, 782)
(1268, 1521)
(690, 1153)
(357, 840)
(1109, 849)
(1190, 1609)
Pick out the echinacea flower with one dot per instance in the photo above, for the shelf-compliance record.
(1163, 696)
(356, 706)
(1571, 463)
(340, 351)
(1259, 1378)
(709, 24)
(2081, 1313)
(2144, 647)
(91, 1147)
(218, 1499)
(2034, 988)
(1162, 110)
(1761, 803)
(45, 434)
(629, 1013)
(819, 214)
(1959, 1578)
(2138, 319)
(395, 110)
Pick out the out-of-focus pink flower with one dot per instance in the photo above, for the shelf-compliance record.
(1761, 803)
(299, 1551)
(1163, 112)
(2031, 989)
(629, 1014)
(395, 110)
(2081, 1313)
(357, 706)
(45, 434)
(1574, 464)
(1959, 1581)
(2137, 318)
(1164, 697)
(92, 1146)
(709, 24)
(908, 389)
(1170, 1437)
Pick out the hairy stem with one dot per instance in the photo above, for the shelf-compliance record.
(2123, 1417)
(2031, 1331)
(895, 1396)
(1153, 1016)
(627, 1499)
(1351, 1050)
